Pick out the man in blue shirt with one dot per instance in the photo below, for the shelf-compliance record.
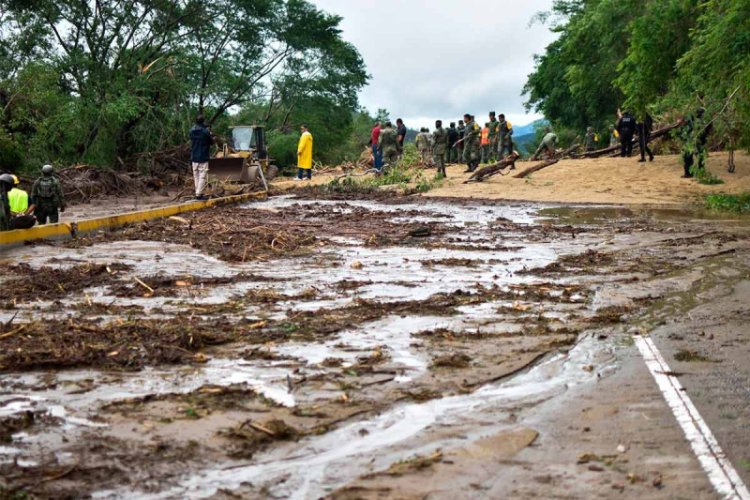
(200, 144)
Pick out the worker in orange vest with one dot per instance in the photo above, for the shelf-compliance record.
(485, 142)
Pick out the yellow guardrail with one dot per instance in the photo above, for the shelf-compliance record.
(70, 229)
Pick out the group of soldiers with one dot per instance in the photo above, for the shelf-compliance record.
(18, 210)
(466, 143)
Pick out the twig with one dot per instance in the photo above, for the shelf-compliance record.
(258, 428)
(144, 285)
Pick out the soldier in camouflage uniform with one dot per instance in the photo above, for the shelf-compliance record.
(471, 143)
(453, 137)
(6, 184)
(388, 145)
(548, 145)
(439, 147)
(48, 197)
(590, 140)
(505, 137)
(460, 147)
(494, 129)
(423, 145)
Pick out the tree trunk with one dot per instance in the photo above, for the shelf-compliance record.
(491, 170)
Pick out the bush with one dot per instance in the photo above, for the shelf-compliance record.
(11, 155)
(282, 148)
(736, 203)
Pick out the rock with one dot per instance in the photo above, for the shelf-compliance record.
(357, 265)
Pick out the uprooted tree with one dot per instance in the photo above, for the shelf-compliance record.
(96, 81)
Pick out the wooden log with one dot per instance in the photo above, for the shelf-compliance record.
(491, 170)
(636, 144)
(536, 168)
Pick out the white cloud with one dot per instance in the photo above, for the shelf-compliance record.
(434, 59)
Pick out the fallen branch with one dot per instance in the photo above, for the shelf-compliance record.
(636, 143)
(536, 168)
(491, 170)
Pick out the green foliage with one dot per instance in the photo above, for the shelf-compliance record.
(737, 203)
(666, 57)
(283, 148)
(402, 174)
(703, 176)
(11, 156)
(572, 83)
(100, 82)
(659, 37)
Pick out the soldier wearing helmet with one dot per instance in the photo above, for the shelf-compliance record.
(48, 196)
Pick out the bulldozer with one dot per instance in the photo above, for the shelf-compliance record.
(243, 158)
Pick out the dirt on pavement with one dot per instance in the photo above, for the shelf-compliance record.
(367, 349)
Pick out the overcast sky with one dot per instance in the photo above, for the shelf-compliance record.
(433, 59)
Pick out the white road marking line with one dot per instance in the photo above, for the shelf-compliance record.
(720, 471)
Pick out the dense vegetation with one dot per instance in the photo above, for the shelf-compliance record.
(666, 57)
(102, 81)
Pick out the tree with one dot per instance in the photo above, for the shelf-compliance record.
(138, 70)
(659, 39)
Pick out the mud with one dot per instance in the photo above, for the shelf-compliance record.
(338, 345)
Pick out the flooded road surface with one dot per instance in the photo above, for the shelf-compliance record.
(357, 349)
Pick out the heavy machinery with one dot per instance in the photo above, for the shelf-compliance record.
(244, 157)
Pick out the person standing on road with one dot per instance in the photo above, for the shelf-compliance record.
(494, 129)
(48, 197)
(644, 136)
(200, 145)
(505, 137)
(388, 145)
(614, 136)
(484, 143)
(460, 147)
(377, 157)
(304, 154)
(423, 145)
(400, 135)
(695, 145)
(626, 129)
(439, 147)
(452, 139)
(471, 143)
(590, 140)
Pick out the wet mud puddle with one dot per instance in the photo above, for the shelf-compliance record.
(340, 338)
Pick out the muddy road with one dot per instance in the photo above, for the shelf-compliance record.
(307, 347)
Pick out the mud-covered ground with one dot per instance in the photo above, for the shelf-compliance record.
(391, 347)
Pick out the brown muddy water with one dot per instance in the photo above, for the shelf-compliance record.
(290, 347)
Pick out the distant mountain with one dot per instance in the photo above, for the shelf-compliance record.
(529, 129)
(524, 144)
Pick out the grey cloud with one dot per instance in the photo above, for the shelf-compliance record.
(441, 58)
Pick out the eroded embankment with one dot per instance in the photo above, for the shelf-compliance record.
(247, 342)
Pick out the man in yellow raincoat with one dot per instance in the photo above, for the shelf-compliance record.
(304, 155)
